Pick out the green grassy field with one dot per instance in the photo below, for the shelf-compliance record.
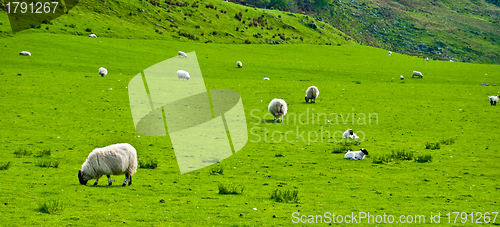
(55, 100)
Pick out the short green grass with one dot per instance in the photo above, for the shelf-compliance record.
(148, 163)
(59, 102)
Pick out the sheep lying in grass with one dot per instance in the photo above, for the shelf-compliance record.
(182, 54)
(390, 53)
(493, 100)
(277, 107)
(103, 71)
(402, 77)
(25, 53)
(181, 74)
(266, 78)
(239, 64)
(417, 74)
(115, 159)
(93, 35)
(311, 94)
(356, 155)
(350, 134)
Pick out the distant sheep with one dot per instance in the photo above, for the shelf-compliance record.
(493, 100)
(115, 159)
(402, 77)
(93, 35)
(417, 74)
(356, 155)
(182, 54)
(103, 72)
(25, 53)
(311, 94)
(181, 74)
(390, 53)
(239, 64)
(350, 134)
(277, 107)
(266, 78)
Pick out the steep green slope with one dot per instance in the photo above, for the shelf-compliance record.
(448, 30)
(205, 21)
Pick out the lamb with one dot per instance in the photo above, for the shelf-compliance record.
(239, 64)
(311, 94)
(356, 155)
(266, 78)
(93, 35)
(25, 53)
(350, 134)
(181, 74)
(493, 100)
(182, 54)
(402, 77)
(116, 159)
(103, 71)
(390, 53)
(277, 107)
(417, 74)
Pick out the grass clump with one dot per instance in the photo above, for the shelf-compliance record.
(230, 189)
(52, 206)
(432, 146)
(148, 164)
(285, 196)
(218, 170)
(279, 154)
(47, 163)
(45, 152)
(424, 159)
(401, 155)
(341, 149)
(22, 152)
(4, 166)
(447, 141)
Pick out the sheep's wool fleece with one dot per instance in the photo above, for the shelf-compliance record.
(115, 159)
(277, 107)
(312, 92)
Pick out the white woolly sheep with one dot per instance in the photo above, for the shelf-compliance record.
(357, 155)
(417, 74)
(116, 159)
(390, 53)
(350, 134)
(311, 94)
(182, 54)
(493, 100)
(239, 64)
(277, 107)
(402, 77)
(25, 53)
(181, 74)
(103, 72)
(93, 35)
(266, 78)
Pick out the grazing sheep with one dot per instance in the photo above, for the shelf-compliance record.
(182, 54)
(493, 100)
(25, 53)
(426, 58)
(402, 77)
(266, 78)
(93, 35)
(356, 155)
(116, 159)
(239, 64)
(417, 74)
(181, 74)
(311, 94)
(277, 107)
(390, 53)
(350, 134)
(103, 71)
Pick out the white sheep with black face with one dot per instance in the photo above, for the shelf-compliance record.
(311, 94)
(116, 159)
(349, 134)
(182, 54)
(93, 35)
(239, 64)
(25, 53)
(494, 99)
(402, 77)
(181, 74)
(417, 74)
(103, 72)
(278, 108)
(356, 155)
(390, 53)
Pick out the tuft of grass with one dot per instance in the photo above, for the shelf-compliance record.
(447, 141)
(402, 155)
(50, 207)
(218, 170)
(47, 163)
(285, 196)
(432, 146)
(230, 189)
(395, 156)
(45, 152)
(341, 149)
(424, 159)
(148, 163)
(279, 154)
(4, 166)
(22, 152)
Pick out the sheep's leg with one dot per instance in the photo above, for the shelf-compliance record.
(96, 180)
(313, 101)
(130, 181)
(109, 180)
(491, 102)
(125, 182)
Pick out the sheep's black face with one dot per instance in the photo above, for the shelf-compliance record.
(80, 177)
(351, 132)
(307, 100)
(364, 151)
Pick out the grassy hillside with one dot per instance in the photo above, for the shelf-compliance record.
(458, 30)
(205, 21)
(56, 101)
